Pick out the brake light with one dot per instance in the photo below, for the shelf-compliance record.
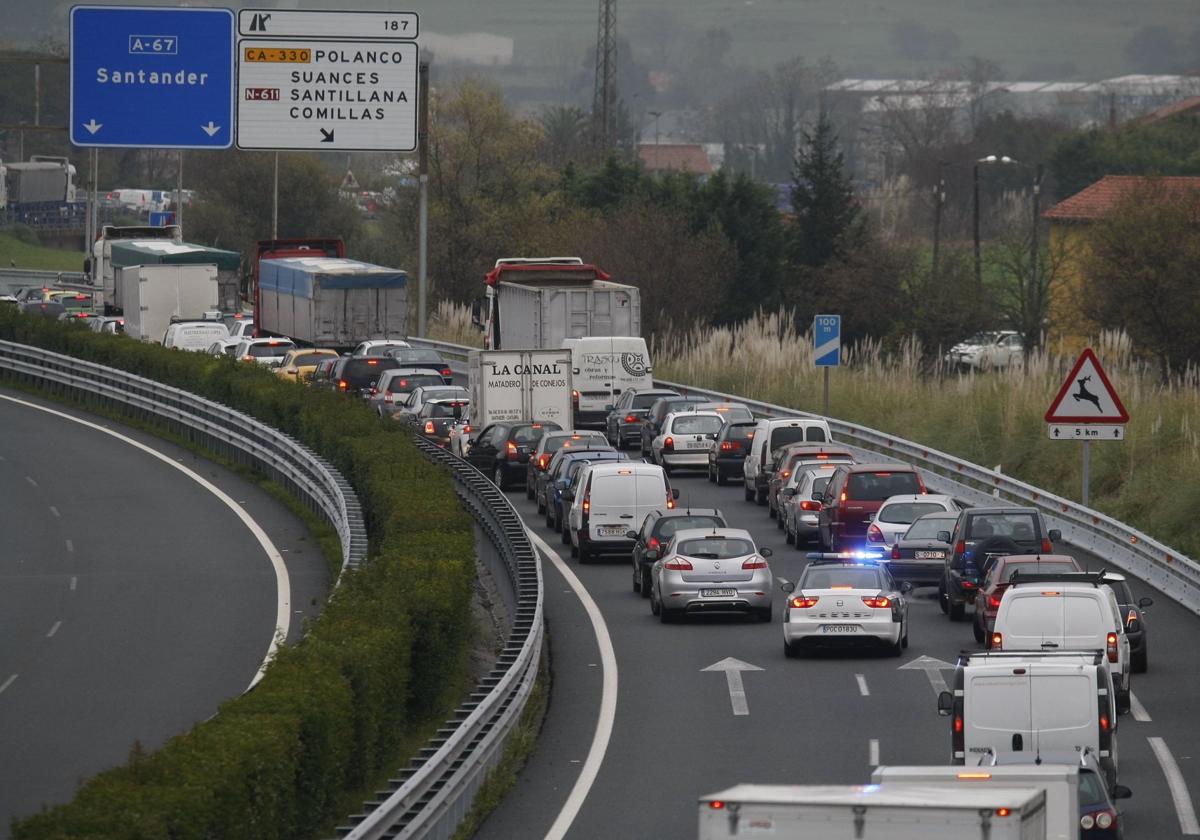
(810, 504)
(249, 358)
(1111, 639)
(669, 443)
(974, 775)
(958, 724)
(755, 562)
(803, 602)
(428, 427)
(1046, 547)
(543, 459)
(874, 534)
(467, 429)
(370, 362)
(877, 602)
(960, 547)
(1003, 812)
(510, 450)
(998, 641)
(1103, 723)
(373, 391)
(678, 564)
(670, 501)
(785, 473)
(629, 418)
(587, 503)
(896, 551)
(726, 446)
(716, 804)
(447, 372)
(993, 602)
(342, 384)
(968, 584)
(843, 496)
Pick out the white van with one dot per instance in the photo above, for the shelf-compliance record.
(196, 336)
(769, 435)
(1021, 701)
(1068, 611)
(602, 368)
(613, 499)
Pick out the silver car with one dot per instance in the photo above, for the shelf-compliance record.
(898, 512)
(711, 570)
(685, 440)
(799, 506)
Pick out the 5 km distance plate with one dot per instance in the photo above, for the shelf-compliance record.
(1096, 431)
(326, 96)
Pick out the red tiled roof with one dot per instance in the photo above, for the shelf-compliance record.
(1099, 199)
(1183, 106)
(675, 157)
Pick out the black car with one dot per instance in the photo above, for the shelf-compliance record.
(727, 458)
(980, 534)
(1134, 618)
(624, 423)
(359, 375)
(414, 357)
(657, 529)
(501, 450)
(657, 413)
(436, 416)
(551, 443)
(919, 557)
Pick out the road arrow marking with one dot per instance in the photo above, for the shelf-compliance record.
(327, 136)
(733, 677)
(210, 129)
(92, 126)
(933, 670)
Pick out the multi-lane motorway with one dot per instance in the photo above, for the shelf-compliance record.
(830, 718)
(134, 599)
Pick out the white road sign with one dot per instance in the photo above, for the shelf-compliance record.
(1096, 431)
(296, 23)
(321, 95)
(1087, 396)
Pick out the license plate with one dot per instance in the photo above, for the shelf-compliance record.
(612, 530)
(839, 628)
(698, 444)
(717, 593)
(931, 555)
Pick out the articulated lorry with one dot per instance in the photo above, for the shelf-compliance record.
(520, 386)
(536, 303)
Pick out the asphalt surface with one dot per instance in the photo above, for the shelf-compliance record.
(132, 601)
(675, 737)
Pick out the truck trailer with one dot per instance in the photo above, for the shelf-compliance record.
(520, 386)
(168, 252)
(154, 295)
(330, 302)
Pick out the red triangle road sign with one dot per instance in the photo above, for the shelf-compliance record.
(1087, 396)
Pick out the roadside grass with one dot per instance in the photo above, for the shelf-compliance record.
(16, 252)
(452, 323)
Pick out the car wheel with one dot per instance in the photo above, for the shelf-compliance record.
(779, 520)
(763, 615)
(788, 536)
(771, 512)
(637, 579)
(718, 477)
(550, 520)
(761, 497)
(565, 530)
(646, 583)
(980, 635)
(654, 605)
(749, 491)
(498, 477)
(904, 640)
(1139, 662)
(585, 554)
(896, 649)
(790, 650)
(666, 468)
(958, 612)
(541, 504)
(667, 616)
(1123, 703)
(529, 485)
(942, 600)
(709, 475)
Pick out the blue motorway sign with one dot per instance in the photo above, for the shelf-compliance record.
(827, 340)
(152, 77)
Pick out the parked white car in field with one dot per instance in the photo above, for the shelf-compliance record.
(985, 350)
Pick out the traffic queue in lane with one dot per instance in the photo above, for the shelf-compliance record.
(875, 534)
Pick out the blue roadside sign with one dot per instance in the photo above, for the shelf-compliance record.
(152, 77)
(827, 340)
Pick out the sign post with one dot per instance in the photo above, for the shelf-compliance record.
(827, 348)
(1087, 409)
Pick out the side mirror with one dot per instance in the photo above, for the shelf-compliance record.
(765, 552)
(1055, 535)
(945, 703)
(786, 585)
(787, 492)
(1121, 792)
(675, 493)
(943, 536)
(906, 587)
(631, 535)
(1145, 602)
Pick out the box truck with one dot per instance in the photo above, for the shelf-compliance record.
(603, 367)
(520, 385)
(536, 303)
(99, 265)
(874, 812)
(330, 302)
(156, 294)
(168, 252)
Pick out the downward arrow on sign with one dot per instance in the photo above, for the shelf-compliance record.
(92, 126)
(210, 129)
(733, 677)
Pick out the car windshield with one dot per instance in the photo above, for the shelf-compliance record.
(408, 356)
(308, 359)
(840, 578)
(363, 371)
(878, 486)
(644, 400)
(668, 525)
(1091, 789)
(905, 513)
(1121, 589)
(1029, 567)
(1016, 526)
(927, 527)
(443, 393)
(529, 435)
(715, 548)
(260, 351)
(446, 409)
(382, 349)
(739, 432)
(983, 338)
(696, 425)
(404, 384)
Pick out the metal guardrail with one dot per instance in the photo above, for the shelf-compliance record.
(219, 428)
(13, 277)
(429, 798)
(1129, 549)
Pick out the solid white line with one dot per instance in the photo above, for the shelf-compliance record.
(608, 697)
(8, 682)
(54, 511)
(283, 585)
(1178, 787)
(70, 547)
(1139, 711)
(54, 630)
(862, 685)
(873, 752)
(31, 481)
(74, 581)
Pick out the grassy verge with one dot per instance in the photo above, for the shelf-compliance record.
(993, 418)
(17, 252)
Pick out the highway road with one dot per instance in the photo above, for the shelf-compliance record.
(824, 719)
(133, 600)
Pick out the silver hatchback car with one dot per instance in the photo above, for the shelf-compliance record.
(711, 570)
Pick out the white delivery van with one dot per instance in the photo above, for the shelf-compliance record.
(1024, 701)
(196, 336)
(874, 812)
(1059, 781)
(613, 499)
(1068, 611)
(602, 368)
(769, 435)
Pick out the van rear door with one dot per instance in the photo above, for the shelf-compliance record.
(1034, 620)
(1064, 711)
(997, 714)
(612, 501)
(650, 492)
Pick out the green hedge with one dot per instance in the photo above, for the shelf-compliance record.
(331, 712)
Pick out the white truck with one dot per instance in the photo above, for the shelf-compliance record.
(99, 267)
(603, 368)
(153, 295)
(520, 385)
(874, 812)
(1059, 781)
(538, 302)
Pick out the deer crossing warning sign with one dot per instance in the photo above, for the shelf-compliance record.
(1087, 397)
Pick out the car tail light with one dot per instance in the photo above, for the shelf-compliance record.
(543, 459)
(670, 501)
(652, 542)
(1111, 642)
(726, 446)
(998, 641)
(803, 602)
(447, 372)
(754, 563)
(896, 552)
(842, 497)
(874, 534)
(877, 602)
(669, 443)
(1105, 819)
(1003, 812)
(629, 418)
(587, 503)
(1046, 547)
(968, 584)
(373, 389)
(343, 384)
(510, 450)
(785, 474)
(428, 427)
(716, 805)
(960, 547)
(1103, 722)
(678, 564)
(993, 601)
(467, 429)
(251, 359)
(958, 724)
(811, 505)
(575, 399)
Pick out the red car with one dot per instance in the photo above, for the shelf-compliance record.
(854, 495)
(995, 581)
